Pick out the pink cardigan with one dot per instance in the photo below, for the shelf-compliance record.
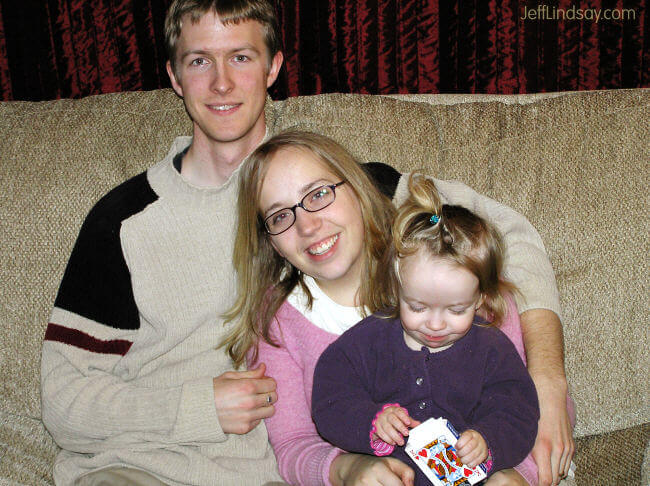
(303, 456)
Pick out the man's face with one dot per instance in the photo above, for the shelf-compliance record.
(222, 73)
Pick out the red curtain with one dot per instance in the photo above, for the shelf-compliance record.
(73, 48)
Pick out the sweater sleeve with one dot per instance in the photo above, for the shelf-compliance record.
(508, 412)
(87, 408)
(303, 456)
(342, 407)
(526, 264)
(87, 403)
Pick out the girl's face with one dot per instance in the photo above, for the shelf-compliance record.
(437, 302)
(327, 244)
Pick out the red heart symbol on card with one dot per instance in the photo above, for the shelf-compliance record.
(467, 472)
(423, 453)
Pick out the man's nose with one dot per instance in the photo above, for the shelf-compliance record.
(222, 81)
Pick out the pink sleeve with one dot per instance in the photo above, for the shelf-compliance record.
(511, 327)
(303, 457)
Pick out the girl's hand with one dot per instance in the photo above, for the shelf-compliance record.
(393, 424)
(471, 448)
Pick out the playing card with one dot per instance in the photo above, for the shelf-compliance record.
(431, 446)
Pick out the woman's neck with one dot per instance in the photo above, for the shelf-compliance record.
(343, 292)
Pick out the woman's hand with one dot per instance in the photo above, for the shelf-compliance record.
(365, 470)
(392, 425)
(471, 448)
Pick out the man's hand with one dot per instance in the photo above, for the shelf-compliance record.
(243, 399)
(364, 470)
(554, 446)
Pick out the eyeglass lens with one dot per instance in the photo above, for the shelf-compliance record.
(318, 199)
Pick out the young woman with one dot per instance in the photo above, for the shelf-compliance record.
(312, 231)
(304, 197)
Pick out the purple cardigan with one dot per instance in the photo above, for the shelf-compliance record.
(480, 382)
(303, 456)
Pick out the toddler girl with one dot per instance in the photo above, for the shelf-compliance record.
(431, 354)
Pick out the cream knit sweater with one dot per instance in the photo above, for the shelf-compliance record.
(129, 355)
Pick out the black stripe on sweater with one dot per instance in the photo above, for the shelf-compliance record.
(97, 283)
(384, 176)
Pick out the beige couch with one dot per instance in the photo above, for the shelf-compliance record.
(576, 164)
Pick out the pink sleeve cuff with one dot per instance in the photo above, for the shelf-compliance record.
(488, 463)
(378, 446)
(527, 469)
(327, 464)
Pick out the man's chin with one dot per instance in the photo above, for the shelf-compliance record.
(224, 136)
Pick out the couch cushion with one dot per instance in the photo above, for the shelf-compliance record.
(612, 458)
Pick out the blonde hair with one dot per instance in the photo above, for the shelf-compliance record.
(229, 12)
(453, 233)
(265, 279)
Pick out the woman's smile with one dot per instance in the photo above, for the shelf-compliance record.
(324, 246)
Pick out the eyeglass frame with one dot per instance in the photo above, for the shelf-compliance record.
(301, 205)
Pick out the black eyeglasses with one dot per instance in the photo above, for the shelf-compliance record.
(283, 219)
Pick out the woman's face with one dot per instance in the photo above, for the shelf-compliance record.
(327, 244)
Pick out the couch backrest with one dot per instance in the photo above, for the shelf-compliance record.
(575, 164)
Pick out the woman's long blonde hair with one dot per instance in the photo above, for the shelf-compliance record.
(265, 279)
(453, 233)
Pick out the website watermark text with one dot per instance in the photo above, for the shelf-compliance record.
(550, 12)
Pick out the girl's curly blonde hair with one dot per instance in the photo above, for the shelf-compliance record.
(453, 233)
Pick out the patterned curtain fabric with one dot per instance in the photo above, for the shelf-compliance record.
(72, 48)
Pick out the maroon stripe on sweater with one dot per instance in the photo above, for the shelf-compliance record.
(82, 340)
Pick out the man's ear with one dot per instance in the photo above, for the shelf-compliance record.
(172, 77)
(274, 70)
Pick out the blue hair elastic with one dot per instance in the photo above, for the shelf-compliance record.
(434, 219)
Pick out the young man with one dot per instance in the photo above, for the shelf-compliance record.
(134, 388)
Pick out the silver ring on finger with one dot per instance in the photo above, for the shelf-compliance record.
(269, 399)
